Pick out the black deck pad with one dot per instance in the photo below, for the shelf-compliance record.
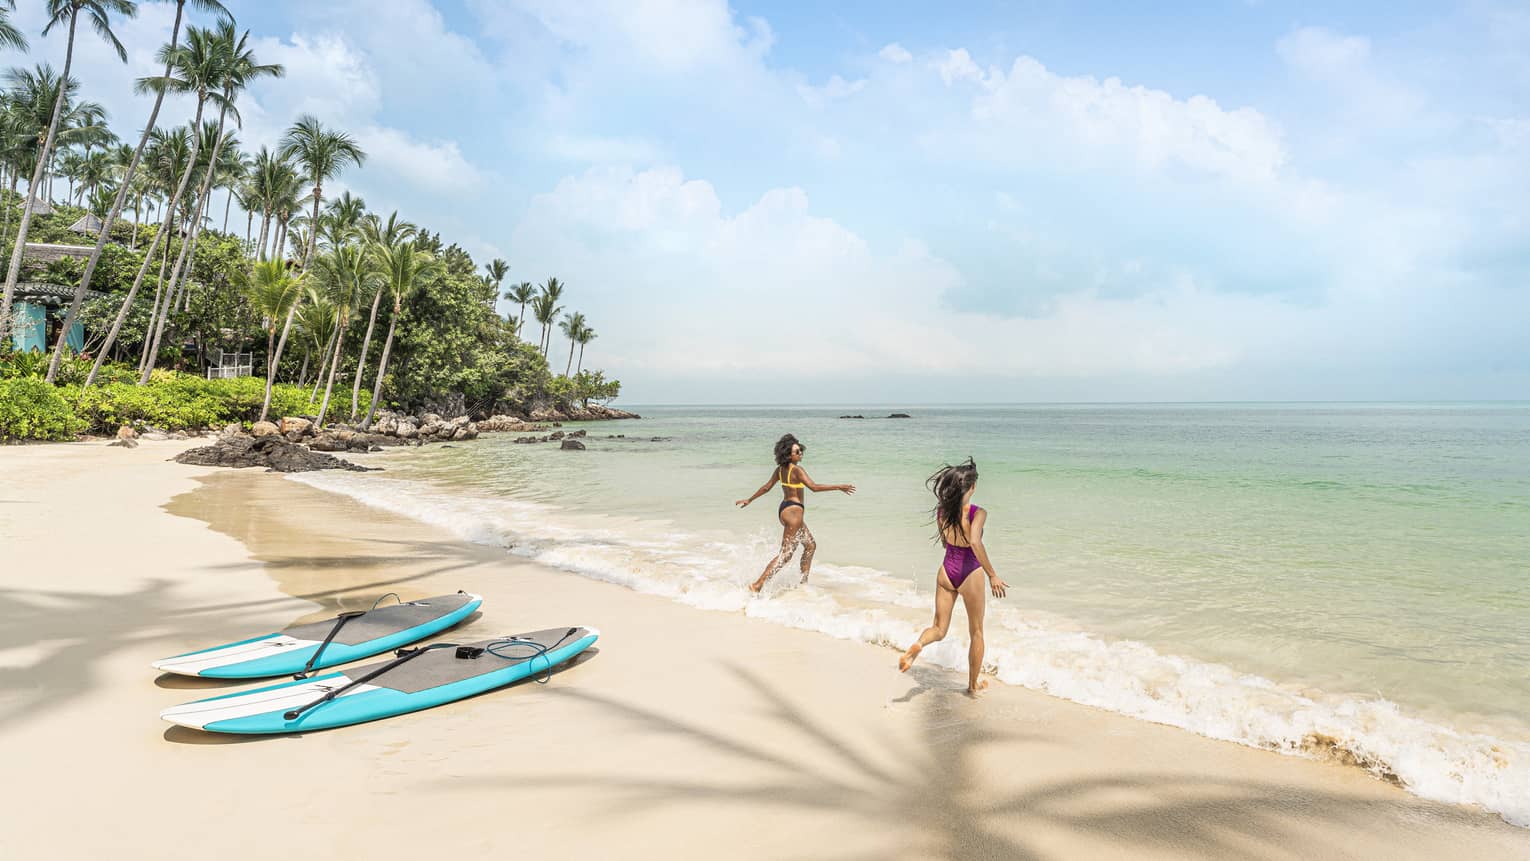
(442, 666)
(383, 621)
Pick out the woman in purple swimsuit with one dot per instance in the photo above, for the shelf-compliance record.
(959, 525)
(793, 480)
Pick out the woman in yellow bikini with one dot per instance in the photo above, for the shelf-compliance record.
(793, 480)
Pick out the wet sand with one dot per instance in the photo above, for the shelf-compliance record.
(683, 734)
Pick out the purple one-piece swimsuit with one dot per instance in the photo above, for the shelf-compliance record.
(961, 561)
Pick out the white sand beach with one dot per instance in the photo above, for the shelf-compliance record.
(683, 734)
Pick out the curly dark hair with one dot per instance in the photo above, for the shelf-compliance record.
(784, 449)
(950, 484)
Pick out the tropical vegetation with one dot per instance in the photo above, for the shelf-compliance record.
(323, 292)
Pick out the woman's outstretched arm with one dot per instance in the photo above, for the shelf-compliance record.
(994, 583)
(764, 488)
(819, 488)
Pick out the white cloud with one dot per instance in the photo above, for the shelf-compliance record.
(834, 89)
(675, 35)
(895, 53)
(1083, 121)
(731, 284)
(434, 166)
(1323, 54)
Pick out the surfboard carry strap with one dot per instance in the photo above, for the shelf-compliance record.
(340, 621)
(404, 656)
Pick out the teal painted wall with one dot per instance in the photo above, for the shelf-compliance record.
(31, 327)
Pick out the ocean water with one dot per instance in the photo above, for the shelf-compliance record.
(1341, 581)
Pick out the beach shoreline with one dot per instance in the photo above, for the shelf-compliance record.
(685, 734)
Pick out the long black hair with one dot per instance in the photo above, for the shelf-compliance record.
(950, 484)
(784, 449)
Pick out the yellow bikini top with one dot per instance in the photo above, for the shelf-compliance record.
(786, 474)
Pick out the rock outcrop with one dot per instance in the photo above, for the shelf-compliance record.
(272, 451)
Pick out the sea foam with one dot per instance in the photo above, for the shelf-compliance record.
(1033, 650)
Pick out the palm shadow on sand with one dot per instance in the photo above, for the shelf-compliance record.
(75, 633)
(933, 798)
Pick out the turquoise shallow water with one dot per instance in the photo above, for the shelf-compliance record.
(1265, 573)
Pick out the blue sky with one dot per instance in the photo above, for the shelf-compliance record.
(994, 201)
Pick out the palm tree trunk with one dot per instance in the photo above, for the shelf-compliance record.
(159, 290)
(228, 206)
(116, 210)
(520, 321)
(137, 202)
(286, 328)
(361, 361)
(42, 163)
(570, 357)
(249, 225)
(333, 366)
(382, 368)
(303, 374)
(199, 208)
(313, 224)
(323, 365)
(166, 225)
(579, 365)
(265, 223)
(270, 370)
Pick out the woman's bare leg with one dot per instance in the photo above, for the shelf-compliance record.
(945, 602)
(974, 596)
(808, 547)
(791, 522)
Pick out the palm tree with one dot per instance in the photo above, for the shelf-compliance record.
(495, 272)
(585, 336)
(572, 325)
(376, 235)
(324, 154)
(235, 69)
(521, 294)
(10, 37)
(59, 11)
(272, 292)
(404, 269)
(347, 274)
(189, 68)
(124, 188)
(546, 312)
(342, 218)
(315, 319)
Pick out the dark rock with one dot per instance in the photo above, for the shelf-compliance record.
(125, 442)
(375, 448)
(900, 416)
(852, 417)
(578, 433)
(327, 442)
(572, 445)
(556, 435)
(273, 452)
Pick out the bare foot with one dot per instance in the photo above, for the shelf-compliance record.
(908, 657)
(804, 576)
(982, 685)
(756, 586)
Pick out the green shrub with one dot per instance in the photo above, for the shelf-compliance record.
(174, 401)
(32, 409)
